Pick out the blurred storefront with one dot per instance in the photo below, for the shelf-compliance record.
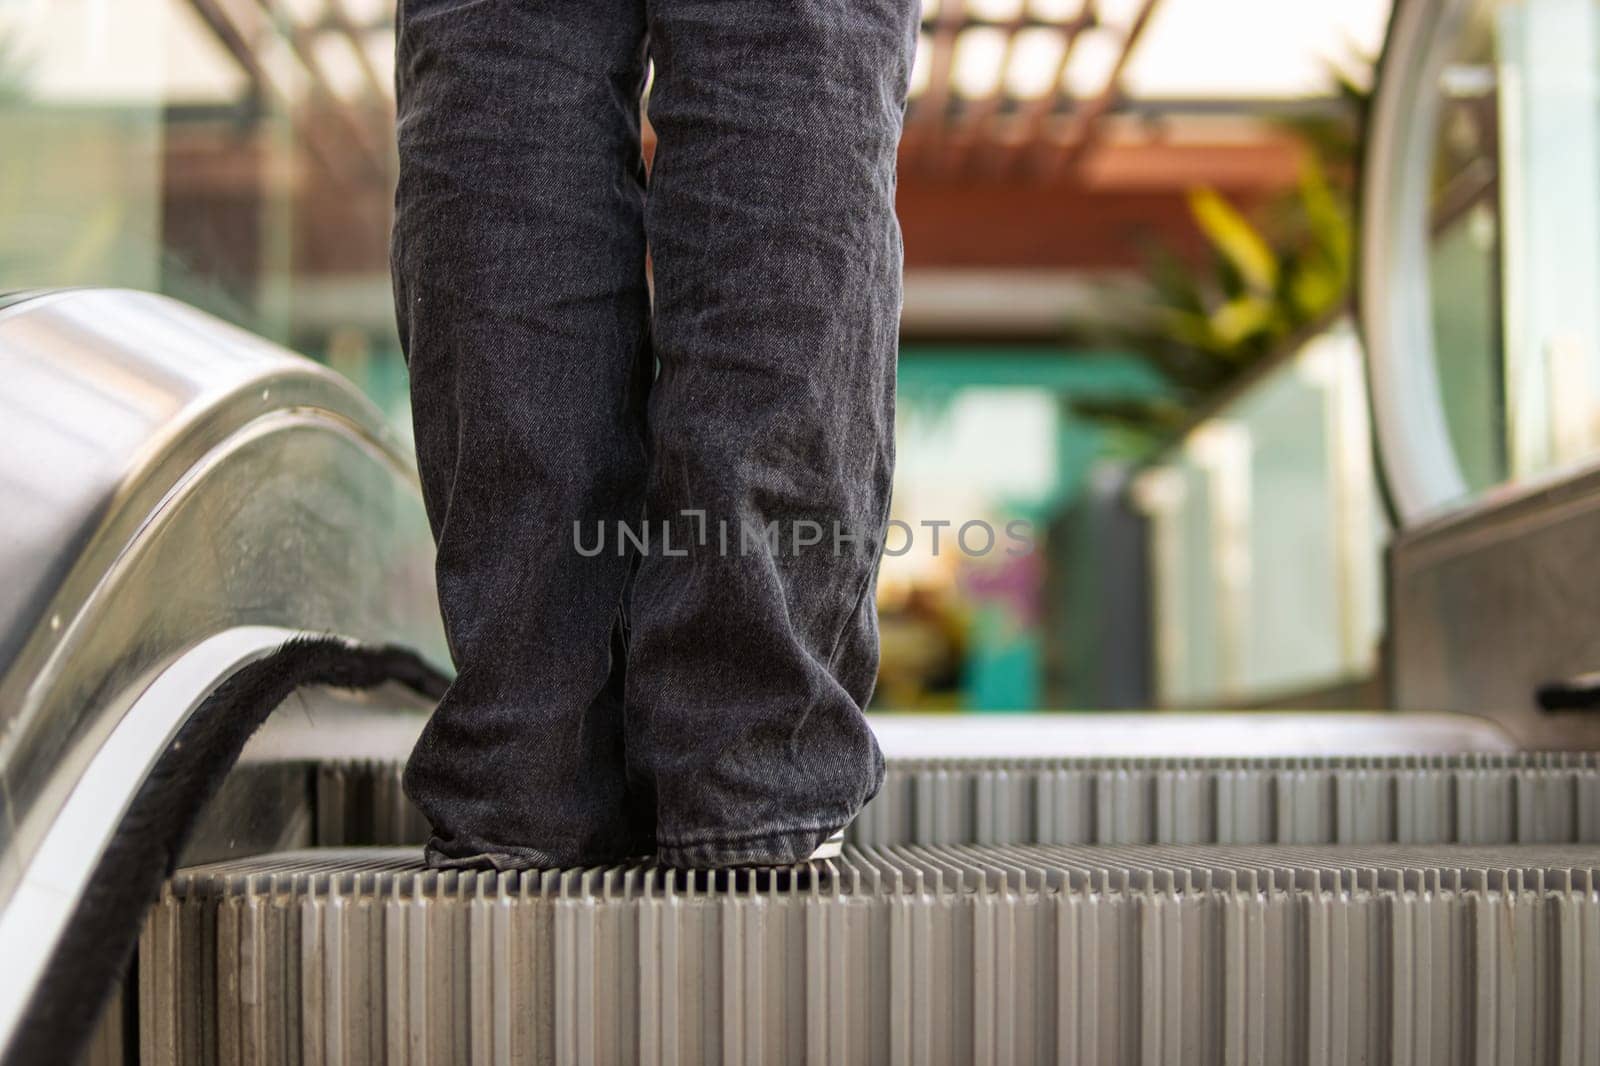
(238, 154)
(1265, 537)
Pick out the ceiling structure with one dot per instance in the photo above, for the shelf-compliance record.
(1004, 92)
(1045, 140)
(999, 88)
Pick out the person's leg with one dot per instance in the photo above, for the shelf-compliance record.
(519, 269)
(777, 283)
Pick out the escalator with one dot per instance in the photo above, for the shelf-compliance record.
(220, 641)
(1437, 909)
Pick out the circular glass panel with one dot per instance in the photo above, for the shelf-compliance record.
(1481, 277)
(1463, 240)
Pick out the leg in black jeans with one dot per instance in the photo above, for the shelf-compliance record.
(777, 260)
(519, 277)
(519, 266)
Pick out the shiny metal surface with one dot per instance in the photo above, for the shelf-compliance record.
(166, 478)
(1490, 604)
(56, 871)
(1183, 733)
(1419, 462)
(357, 733)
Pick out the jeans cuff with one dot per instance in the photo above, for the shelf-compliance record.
(497, 857)
(785, 847)
(485, 856)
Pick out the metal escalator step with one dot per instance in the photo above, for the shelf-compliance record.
(949, 954)
(1467, 799)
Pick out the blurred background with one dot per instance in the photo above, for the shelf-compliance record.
(1129, 232)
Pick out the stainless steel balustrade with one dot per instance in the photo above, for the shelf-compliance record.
(180, 498)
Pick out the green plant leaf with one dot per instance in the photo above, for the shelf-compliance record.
(1237, 321)
(1232, 235)
(1265, 279)
(1328, 219)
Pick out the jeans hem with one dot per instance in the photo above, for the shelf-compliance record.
(493, 858)
(504, 857)
(785, 847)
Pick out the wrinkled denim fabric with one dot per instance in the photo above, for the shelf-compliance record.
(695, 702)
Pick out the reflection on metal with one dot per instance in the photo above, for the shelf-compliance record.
(1490, 604)
(168, 478)
(1418, 459)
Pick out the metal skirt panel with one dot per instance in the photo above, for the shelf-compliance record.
(1135, 954)
(1457, 799)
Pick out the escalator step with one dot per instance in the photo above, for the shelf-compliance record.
(936, 954)
(1466, 799)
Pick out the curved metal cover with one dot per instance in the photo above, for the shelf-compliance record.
(16, 296)
(1419, 463)
(166, 477)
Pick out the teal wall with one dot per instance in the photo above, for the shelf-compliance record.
(1005, 663)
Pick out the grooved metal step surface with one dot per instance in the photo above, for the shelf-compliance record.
(1466, 799)
(1001, 953)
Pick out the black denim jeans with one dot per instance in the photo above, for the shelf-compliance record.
(699, 698)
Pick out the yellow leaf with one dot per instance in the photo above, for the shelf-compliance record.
(1239, 319)
(1233, 236)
